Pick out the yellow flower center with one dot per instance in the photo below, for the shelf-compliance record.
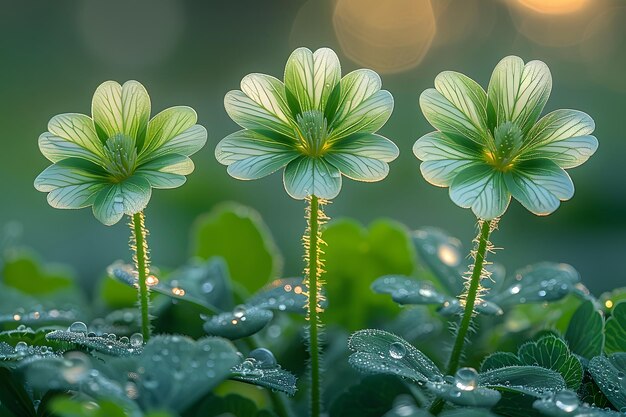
(508, 143)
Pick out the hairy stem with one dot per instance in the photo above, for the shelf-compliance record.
(312, 275)
(139, 246)
(469, 299)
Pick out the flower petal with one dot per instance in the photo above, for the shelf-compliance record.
(121, 109)
(518, 92)
(445, 116)
(186, 143)
(369, 116)
(128, 197)
(355, 88)
(567, 153)
(70, 184)
(250, 155)
(369, 146)
(269, 93)
(539, 185)
(71, 135)
(167, 171)
(250, 115)
(306, 176)
(358, 168)
(444, 157)
(483, 189)
(167, 126)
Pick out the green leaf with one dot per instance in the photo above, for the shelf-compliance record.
(552, 353)
(499, 360)
(368, 146)
(261, 369)
(121, 109)
(372, 397)
(538, 283)
(531, 380)
(128, 197)
(286, 294)
(585, 332)
(71, 135)
(482, 189)
(405, 290)
(229, 405)
(65, 407)
(251, 155)
(306, 176)
(108, 344)
(355, 257)
(608, 373)
(13, 396)
(468, 412)
(615, 329)
(476, 397)
(242, 322)
(358, 167)
(205, 284)
(518, 92)
(380, 352)
(250, 115)
(444, 156)
(237, 234)
(540, 185)
(24, 272)
(404, 406)
(170, 365)
(443, 255)
(70, 185)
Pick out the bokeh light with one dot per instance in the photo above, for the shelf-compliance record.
(554, 6)
(388, 36)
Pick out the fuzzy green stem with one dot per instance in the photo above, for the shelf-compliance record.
(312, 274)
(471, 295)
(139, 245)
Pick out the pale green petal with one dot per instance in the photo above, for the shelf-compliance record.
(307, 176)
(567, 153)
(368, 145)
(250, 155)
(128, 197)
(466, 96)
(269, 93)
(444, 157)
(76, 129)
(445, 116)
(250, 115)
(326, 75)
(355, 87)
(167, 171)
(121, 109)
(70, 184)
(540, 185)
(358, 168)
(56, 149)
(369, 116)
(186, 143)
(483, 189)
(561, 124)
(167, 126)
(518, 92)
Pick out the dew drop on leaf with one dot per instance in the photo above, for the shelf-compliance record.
(466, 379)
(264, 358)
(397, 350)
(136, 340)
(78, 327)
(566, 401)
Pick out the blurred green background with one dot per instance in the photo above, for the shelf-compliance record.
(55, 53)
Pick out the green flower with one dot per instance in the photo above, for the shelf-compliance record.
(489, 145)
(112, 160)
(316, 124)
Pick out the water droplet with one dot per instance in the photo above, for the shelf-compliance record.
(21, 347)
(263, 357)
(207, 287)
(136, 340)
(566, 401)
(239, 311)
(466, 379)
(78, 327)
(397, 350)
(21, 328)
